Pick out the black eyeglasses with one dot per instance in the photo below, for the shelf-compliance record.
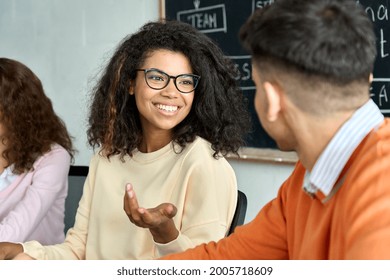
(157, 79)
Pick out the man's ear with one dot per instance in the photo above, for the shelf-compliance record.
(371, 78)
(272, 93)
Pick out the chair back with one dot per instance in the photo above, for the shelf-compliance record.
(239, 214)
(76, 179)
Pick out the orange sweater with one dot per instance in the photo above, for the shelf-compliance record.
(353, 224)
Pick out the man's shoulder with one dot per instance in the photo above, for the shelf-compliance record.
(378, 140)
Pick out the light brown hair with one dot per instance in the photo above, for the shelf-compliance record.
(26, 113)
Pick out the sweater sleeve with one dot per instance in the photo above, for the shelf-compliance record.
(48, 182)
(209, 206)
(74, 246)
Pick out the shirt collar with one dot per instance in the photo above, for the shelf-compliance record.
(332, 160)
(7, 177)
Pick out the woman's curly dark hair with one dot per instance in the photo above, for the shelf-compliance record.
(218, 113)
(27, 116)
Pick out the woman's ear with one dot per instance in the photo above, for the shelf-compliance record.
(272, 93)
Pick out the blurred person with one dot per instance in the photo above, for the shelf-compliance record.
(35, 155)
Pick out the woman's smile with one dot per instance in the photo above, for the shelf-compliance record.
(167, 108)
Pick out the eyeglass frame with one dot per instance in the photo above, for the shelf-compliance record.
(169, 79)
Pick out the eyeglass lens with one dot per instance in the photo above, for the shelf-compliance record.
(157, 79)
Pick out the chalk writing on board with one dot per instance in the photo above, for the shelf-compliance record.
(380, 87)
(206, 19)
(242, 63)
(258, 4)
(377, 11)
(379, 15)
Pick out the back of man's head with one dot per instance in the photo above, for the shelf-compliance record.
(325, 43)
(330, 38)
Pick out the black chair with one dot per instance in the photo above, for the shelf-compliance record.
(76, 179)
(239, 214)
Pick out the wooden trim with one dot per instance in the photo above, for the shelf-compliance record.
(162, 9)
(265, 155)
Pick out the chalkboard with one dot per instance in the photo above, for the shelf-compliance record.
(221, 20)
(377, 11)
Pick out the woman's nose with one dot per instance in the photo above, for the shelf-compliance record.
(170, 90)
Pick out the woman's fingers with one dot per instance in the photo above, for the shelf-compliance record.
(131, 204)
(146, 218)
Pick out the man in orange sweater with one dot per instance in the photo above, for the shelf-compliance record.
(312, 64)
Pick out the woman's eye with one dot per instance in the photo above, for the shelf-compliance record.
(186, 81)
(156, 78)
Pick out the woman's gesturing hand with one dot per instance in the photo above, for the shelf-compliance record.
(158, 219)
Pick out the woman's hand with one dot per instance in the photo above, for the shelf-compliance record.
(158, 219)
(9, 251)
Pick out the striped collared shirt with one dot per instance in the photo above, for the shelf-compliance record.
(332, 160)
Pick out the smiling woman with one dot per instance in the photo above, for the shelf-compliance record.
(165, 112)
(163, 104)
